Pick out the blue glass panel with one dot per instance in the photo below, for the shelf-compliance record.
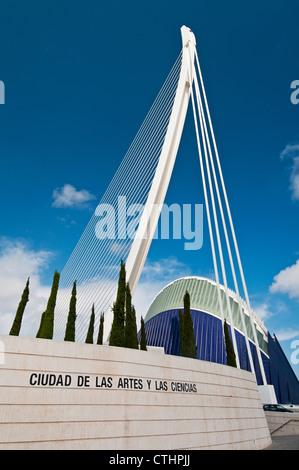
(163, 330)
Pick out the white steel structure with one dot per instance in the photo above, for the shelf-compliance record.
(143, 177)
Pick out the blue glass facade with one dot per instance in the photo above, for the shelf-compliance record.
(163, 330)
(282, 375)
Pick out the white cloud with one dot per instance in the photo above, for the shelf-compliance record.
(294, 179)
(155, 276)
(17, 263)
(165, 269)
(263, 311)
(287, 281)
(292, 152)
(69, 196)
(286, 333)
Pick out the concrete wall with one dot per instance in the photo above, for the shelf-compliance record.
(283, 424)
(148, 410)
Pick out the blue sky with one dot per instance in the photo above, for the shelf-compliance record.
(79, 79)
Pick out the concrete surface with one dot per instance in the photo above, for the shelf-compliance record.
(282, 424)
(63, 395)
(284, 443)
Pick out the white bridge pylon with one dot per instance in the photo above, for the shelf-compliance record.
(142, 179)
(190, 86)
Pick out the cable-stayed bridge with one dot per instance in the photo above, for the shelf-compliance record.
(140, 184)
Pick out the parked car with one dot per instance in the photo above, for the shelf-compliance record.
(279, 408)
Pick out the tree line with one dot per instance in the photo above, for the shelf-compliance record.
(123, 311)
(124, 328)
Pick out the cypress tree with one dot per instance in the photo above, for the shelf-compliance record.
(230, 354)
(134, 330)
(142, 336)
(70, 330)
(131, 335)
(188, 346)
(182, 337)
(41, 324)
(16, 326)
(47, 321)
(117, 334)
(89, 337)
(101, 330)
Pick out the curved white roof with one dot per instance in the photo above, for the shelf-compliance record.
(204, 297)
